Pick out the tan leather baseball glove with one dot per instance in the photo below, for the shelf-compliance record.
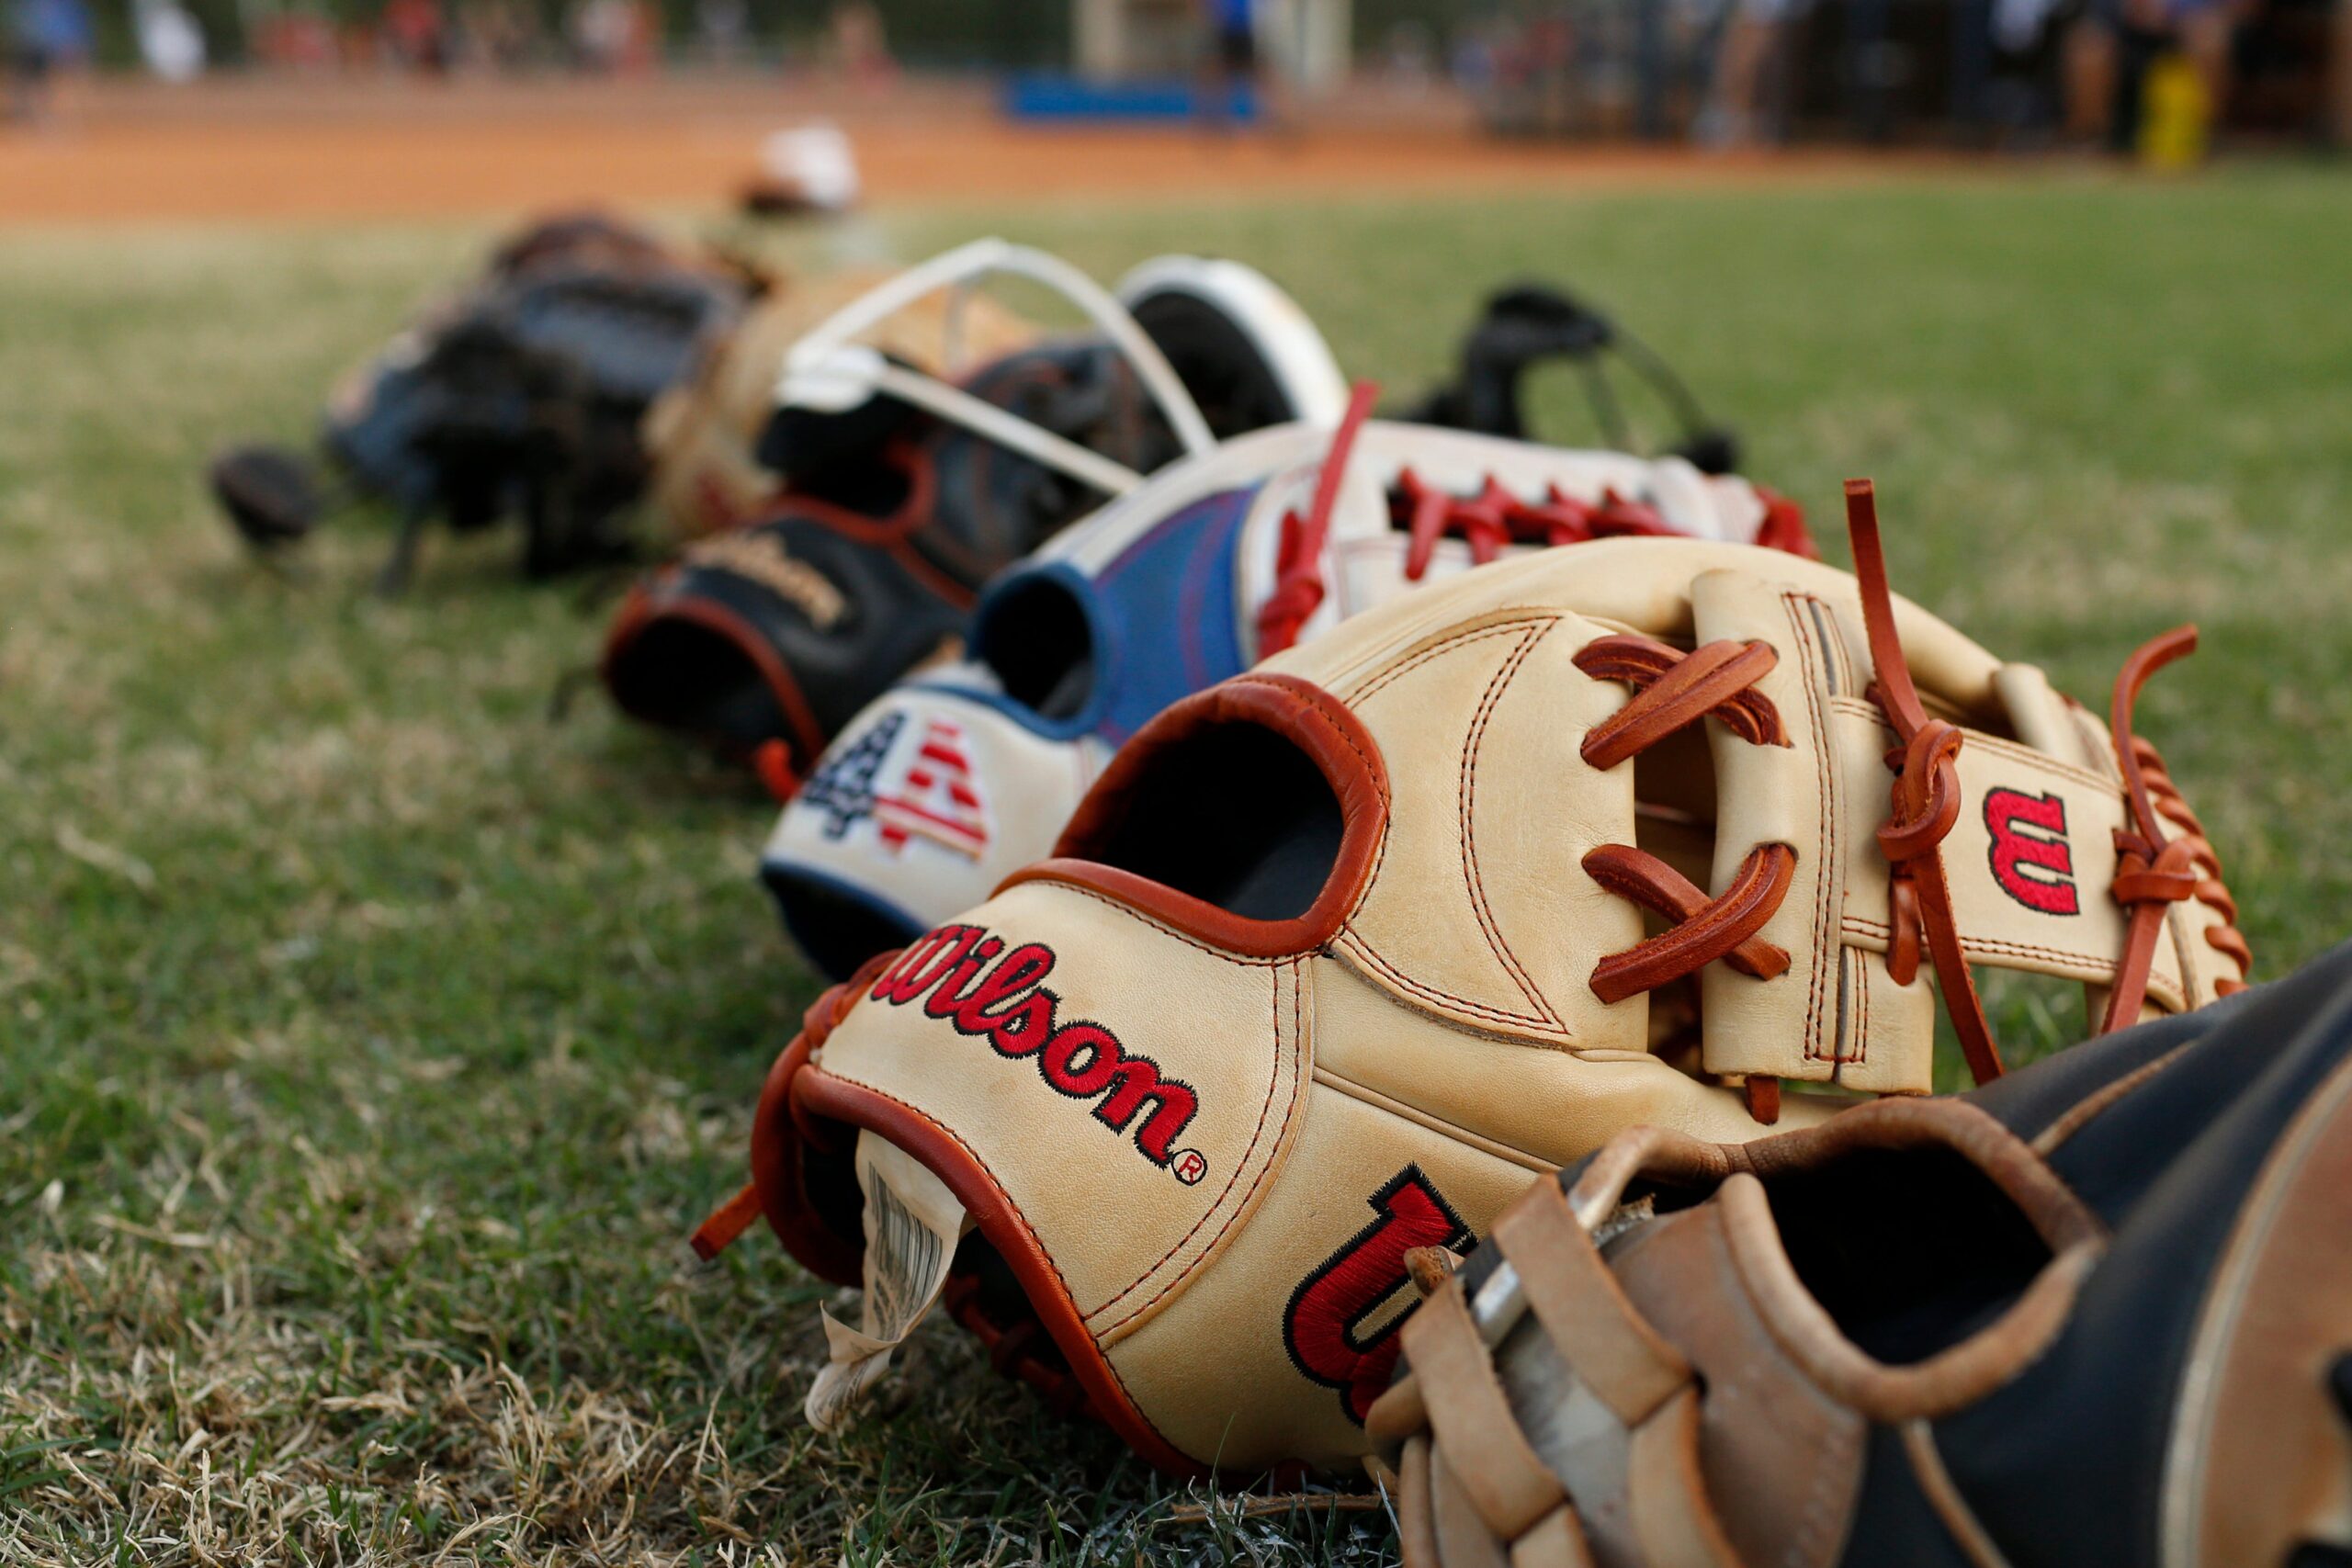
(703, 435)
(1335, 954)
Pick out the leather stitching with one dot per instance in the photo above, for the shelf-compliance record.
(1469, 1137)
(1862, 925)
(1977, 740)
(1354, 940)
(1163, 927)
(1496, 941)
(1365, 693)
(1825, 764)
(1355, 946)
(1298, 1083)
(1320, 702)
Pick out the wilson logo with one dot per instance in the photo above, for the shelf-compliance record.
(2030, 857)
(1325, 1329)
(989, 991)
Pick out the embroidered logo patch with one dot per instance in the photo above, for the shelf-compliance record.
(993, 990)
(928, 790)
(2030, 857)
(758, 556)
(1329, 1328)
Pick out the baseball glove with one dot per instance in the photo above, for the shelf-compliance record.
(520, 398)
(1336, 954)
(1532, 324)
(901, 494)
(961, 775)
(2123, 1335)
(703, 435)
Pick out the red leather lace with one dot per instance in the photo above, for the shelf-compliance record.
(1298, 579)
(1674, 690)
(2154, 871)
(771, 760)
(1489, 520)
(1671, 692)
(2151, 872)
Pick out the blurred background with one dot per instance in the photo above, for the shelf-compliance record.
(171, 93)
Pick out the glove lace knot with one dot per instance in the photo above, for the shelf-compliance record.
(2152, 872)
(1495, 517)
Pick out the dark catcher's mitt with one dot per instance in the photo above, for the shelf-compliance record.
(900, 492)
(521, 397)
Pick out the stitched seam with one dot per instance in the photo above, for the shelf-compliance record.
(1355, 939)
(1438, 650)
(1853, 1045)
(1429, 1121)
(1429, 655)
(1496, 941)
(1841, 1046)
(2041, 760)
(1862, 925)
(1238, 1208)
(1320, 702)
(1825, 769)
(1166, 930)
(1355, 945)
(1977, 739)
(1862, 1000)
(2092, 744)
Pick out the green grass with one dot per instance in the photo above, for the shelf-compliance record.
(368, 1042)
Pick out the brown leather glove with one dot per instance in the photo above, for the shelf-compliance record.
(2099, 1313)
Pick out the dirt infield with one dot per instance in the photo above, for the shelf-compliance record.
(385, 148)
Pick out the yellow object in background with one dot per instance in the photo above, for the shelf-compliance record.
(2175, 115)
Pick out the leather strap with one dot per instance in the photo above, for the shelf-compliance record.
(1298, 587)
(1555, 1542)
(1927, 792)
(1666, 1492)
(1625, 1362)
(1476, 1434)
(1709, 928)
(1674, 690)
(2153, 873)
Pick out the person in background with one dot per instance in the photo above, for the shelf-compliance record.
(724, 29)
(1231, 63)
(170, 43)
(45, 39)
(2112, 49)
(861, 46)
(1747, 99)
(419, 35)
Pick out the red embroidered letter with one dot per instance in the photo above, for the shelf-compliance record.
(1174, 1106)
(1322, 1330)
(2050, 886)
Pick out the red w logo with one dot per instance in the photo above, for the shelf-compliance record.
(1323, 1329)
(2035, 867)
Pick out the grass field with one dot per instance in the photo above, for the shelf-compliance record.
(368, 1042)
